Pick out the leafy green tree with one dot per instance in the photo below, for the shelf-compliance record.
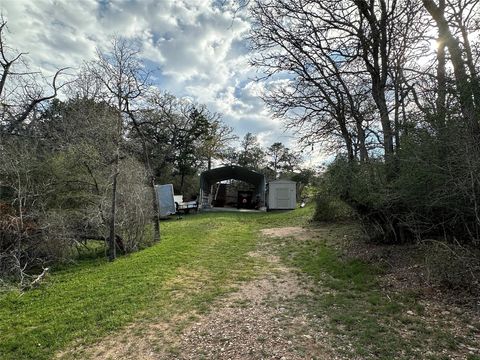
(184, 138)
(189, 140)
(282, 159)
(216, 142)
(251, 154)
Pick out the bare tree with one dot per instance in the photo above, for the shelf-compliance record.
(126, 81)
(292, 38)
(20, 90)
(336, 59)
(462, 60)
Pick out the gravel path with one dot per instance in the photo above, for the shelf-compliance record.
(254, 323)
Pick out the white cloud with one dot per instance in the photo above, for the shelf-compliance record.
(197, 45)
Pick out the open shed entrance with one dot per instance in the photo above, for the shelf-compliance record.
(232, 187)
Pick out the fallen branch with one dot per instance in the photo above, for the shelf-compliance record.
(39, 278)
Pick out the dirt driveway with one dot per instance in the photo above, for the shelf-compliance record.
(259, 321)
(268, 318)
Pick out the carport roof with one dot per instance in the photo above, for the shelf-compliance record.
(213, 176)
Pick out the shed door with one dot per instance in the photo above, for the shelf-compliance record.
(282, 196)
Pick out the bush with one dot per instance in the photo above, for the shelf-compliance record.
(360, 190)
(329, 208)
(434, 193)
(134, 206)
(452, 265)
(57, 238)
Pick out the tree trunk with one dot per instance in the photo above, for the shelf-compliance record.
(348, 143)
(156, 212)
(111, 238)
(399, 102)
(441, 88)
(471, 65)
(182, 180)
(464, 86)
(342, 122)
(379, 97)
(375, 55)
(361, 143)
(151, 179)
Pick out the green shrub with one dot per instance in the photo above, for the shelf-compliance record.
(329, 208)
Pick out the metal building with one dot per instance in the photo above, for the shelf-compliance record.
(211, 177)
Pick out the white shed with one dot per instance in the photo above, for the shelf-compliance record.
(281, 194)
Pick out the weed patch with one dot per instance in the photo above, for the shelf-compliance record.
(365, 321)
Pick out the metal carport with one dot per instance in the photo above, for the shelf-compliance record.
(213, 176)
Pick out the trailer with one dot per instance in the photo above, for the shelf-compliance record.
(166, 201)
(185, 206)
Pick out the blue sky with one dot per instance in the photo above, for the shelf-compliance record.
(197, 46)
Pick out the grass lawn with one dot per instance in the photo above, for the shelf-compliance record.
(86, 301)
(202, 257)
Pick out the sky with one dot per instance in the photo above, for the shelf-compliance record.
(196, 47)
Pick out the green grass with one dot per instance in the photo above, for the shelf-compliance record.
(201, 258)
(80, 303)
(352, 306)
